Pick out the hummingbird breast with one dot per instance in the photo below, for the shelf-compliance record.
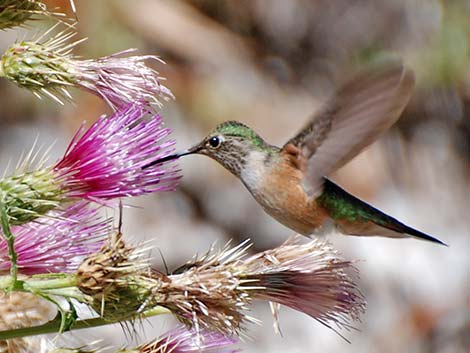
(277, 187)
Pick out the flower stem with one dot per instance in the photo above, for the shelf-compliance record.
(15, 284)
(40, 283)
(54, 325)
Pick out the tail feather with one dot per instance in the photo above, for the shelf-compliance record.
(355, 217)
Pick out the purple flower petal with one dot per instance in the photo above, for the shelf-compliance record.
(106, 160)
(182, 340)
(57, 243)
(121, 79)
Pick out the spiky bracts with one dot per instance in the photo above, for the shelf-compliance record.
(214, 292)
(15, 13)
(47, 67)
(117, 280)
(209, 293)
(28, 195)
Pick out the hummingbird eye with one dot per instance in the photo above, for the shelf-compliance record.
(214, 141)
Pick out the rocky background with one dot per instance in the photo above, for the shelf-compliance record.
(269, 64)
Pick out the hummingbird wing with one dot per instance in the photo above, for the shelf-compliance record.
(352, 119)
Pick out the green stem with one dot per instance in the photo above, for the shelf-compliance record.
(15, 284)
(54, 326)
(41, 282)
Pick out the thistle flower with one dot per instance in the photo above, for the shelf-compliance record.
(57, 243)
(213, 292)
(19, 309)
(101, 163)
(311, 278)
(15, 13)
(49, 68)
(182, 340)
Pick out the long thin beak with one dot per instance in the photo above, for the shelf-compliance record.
(191, 150)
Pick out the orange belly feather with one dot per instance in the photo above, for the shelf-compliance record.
(282, 195)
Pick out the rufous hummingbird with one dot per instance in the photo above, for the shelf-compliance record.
(290, 182)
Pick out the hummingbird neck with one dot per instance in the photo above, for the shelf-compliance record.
(257, 164)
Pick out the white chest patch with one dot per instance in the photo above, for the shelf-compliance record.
(253, 172)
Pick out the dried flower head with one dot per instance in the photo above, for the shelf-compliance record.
(48, 68)
(213, 292)
(17, 310)
(15, 13)
(182, 340)
(101, 163)
(206, 293)
(117, 281)
(57, 243)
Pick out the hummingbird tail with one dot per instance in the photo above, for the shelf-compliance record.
(356, 217)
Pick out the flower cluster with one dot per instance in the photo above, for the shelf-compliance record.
(56, 244)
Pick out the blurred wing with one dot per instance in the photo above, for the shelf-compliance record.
(354, 118)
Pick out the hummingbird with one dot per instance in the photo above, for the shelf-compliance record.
(291, 183)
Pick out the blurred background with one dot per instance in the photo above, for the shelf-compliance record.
(269, 64)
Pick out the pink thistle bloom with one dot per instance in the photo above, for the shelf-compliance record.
(182, 340)
(103, 162)
(57, 243)
(106, 161)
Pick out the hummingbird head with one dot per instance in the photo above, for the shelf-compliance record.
(230, 144)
